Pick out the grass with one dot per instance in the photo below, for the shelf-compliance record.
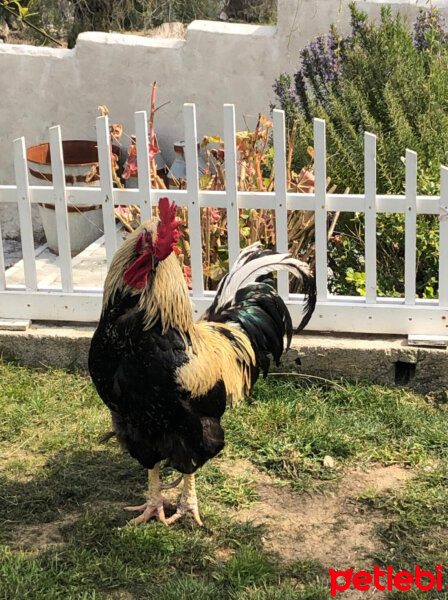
(289, 428)
(64, 535)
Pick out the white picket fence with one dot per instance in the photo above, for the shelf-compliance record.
(369, 314)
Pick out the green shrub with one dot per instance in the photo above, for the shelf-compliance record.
(258, 11)
(392, 80)
(68, 18)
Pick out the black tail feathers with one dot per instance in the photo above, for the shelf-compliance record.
(248, 299)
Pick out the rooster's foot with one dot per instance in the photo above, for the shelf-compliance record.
(155, 506)
(188, 502)
(182, 510)
(151, 510)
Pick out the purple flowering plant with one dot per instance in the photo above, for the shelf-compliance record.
(389, 77)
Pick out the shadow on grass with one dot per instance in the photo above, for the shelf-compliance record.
(79, 495)
(69, 480)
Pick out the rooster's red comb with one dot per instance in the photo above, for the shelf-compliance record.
(168, 229)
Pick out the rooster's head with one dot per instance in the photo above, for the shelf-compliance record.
(145, 266)
(154, 241)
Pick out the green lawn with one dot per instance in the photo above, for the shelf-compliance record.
(64, 534)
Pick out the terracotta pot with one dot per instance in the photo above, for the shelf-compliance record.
(81, 170)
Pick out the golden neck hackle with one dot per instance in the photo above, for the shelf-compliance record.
(165, 295)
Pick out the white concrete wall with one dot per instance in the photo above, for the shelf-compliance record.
(217, 63)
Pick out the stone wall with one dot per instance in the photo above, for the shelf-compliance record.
(215, 64)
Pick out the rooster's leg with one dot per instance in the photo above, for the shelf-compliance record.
(188, 502)
(155, 504)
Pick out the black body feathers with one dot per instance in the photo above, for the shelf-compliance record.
(134, 373)
(135, 370)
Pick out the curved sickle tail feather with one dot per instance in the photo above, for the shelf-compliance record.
(247, 298)
(309, 290)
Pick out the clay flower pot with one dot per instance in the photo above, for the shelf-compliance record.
(81, 170)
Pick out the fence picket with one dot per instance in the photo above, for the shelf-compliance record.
(60, 204)
(410, 227)
(334, 313)
(370, 215)
(320, 219)
(443, 239)
(233, 219)
(144, 172)
(107, 186)
(24, 205)
(194, 211)
(281, 209)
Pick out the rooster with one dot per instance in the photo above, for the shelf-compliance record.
(166, 379)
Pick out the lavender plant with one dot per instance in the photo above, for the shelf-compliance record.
(391, 79)
(429, 29)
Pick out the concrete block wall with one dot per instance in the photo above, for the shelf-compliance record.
(386, 360)
(217, 63)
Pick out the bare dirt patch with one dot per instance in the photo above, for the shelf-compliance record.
(35, 538)
(38, 537)
(121, 595)
(326, 527)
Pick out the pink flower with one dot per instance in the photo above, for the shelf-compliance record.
(187, 275)
(306, 181)
(121, 210)
(215, 215)
(130, 166)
